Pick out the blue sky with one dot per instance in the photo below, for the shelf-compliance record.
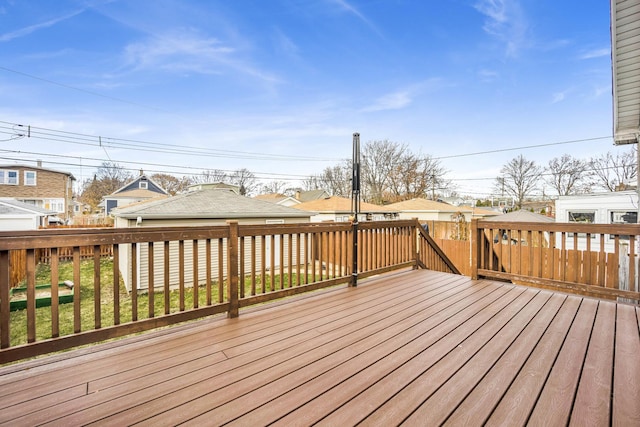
(279, 86)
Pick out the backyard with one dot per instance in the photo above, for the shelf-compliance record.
(177, 300)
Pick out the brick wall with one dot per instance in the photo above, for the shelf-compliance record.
(49, 185)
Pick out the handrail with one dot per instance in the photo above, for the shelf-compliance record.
(147, 278)
(591, 259)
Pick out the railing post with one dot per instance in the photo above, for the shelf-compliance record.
(5, 318)
(474, 243)
(414, 247)
(354, 249)
(232, 269)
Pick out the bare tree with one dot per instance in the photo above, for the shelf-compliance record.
(519, 178)
(108, 178)
(313, 182)
(210, 176)
(379, 160)
(274, 187)
(612, 171)
(416, 176)
(568, 175)
(336, 180)
(245, 180)
(172, 184)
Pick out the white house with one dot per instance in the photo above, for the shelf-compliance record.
(620, 207)
(15, 215)
(430, 210)
(339, 209)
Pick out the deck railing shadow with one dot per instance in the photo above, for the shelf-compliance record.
(154, 277)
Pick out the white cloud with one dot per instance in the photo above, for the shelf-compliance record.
(173, 48)
(187, 51)
(506, 22)
(488, 75)
(391, 101)
(558, 97)
(32, 28)
(403, 97)
(352, 9)
(595, 53)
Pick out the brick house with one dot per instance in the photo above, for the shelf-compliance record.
(45, 188)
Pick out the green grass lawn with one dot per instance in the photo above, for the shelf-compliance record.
(18, 325)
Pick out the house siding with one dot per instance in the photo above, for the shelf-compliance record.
(49, 185)
(142, 252)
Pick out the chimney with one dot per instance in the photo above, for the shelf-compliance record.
(141, 172)
(298, 195)
(39, 163)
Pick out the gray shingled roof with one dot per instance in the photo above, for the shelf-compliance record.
(208, 204)
(12, 206)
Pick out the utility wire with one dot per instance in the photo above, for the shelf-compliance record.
(138, 145)
(66, 86)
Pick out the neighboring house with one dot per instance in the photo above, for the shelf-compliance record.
(620, 207)
(15, 215)
(278, 199)
(307, 196)
(543, 207)
(141, 189)
(196, 208)
(339, 209)
(429, 210)
(520, 216)
(40, 187)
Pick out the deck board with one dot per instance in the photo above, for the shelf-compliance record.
(413, 348)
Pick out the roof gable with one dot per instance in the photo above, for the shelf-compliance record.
(141, 183)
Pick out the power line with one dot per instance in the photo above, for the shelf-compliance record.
(66, 86)
(147, 146)
(502, 150)
(190, 169)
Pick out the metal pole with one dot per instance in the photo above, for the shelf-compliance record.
(355, 205)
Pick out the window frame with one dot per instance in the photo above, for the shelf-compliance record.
(5, 176)
(35, 178)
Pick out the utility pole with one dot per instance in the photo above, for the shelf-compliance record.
(355, 205)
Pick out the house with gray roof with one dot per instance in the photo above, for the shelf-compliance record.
(16, 215)
(196, 208)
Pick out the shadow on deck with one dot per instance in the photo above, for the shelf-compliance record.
(417, 347)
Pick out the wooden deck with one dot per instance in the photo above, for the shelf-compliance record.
(413, 348)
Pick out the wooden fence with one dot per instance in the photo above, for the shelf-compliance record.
(43, 256)
(591, 259)
(300, 258)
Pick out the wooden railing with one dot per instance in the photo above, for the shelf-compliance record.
(161, 276)
(590, 259)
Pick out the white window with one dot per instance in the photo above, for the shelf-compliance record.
(584, 217)
(588, 217)
(56, 205)
(29, 178)
(144, 185)
(8, 177)
(623, 217)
